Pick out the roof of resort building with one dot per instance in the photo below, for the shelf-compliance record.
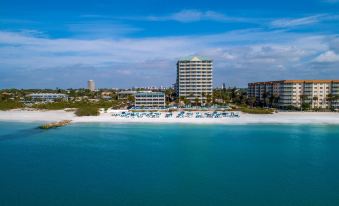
(195, 58)
(133, 92)
(295, 81)
(269, 82)
(311, 81)
(127, 92)
(150, 93)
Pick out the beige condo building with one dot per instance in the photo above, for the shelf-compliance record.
(285, 93)
(194, 78)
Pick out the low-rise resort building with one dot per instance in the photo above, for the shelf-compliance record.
(47, 97)
(322, 94)
(149, 100)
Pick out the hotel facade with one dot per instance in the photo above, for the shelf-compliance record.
(285, 93)
(149, 100)
(194, 78)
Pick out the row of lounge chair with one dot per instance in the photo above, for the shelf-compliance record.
(207, 114)
(179, 115)
(138, 114)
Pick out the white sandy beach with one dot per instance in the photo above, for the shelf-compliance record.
(278, 118)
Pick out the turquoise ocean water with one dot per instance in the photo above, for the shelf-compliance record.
(144, 164)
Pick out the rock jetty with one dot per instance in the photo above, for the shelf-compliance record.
(55, 124)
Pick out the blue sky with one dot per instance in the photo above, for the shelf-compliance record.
(48, 44)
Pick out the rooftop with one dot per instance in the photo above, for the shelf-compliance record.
(195, 58)
(127, 92)
(298, 81)
(149, 93)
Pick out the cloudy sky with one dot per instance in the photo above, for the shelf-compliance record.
(124, 43)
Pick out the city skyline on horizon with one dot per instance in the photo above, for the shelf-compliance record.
(64, 44)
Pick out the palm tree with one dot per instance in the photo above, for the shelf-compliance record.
(242, 97)
(276, 99)
(329, 98)
(186, 101)
(336, 98)
(303, 97)
(271, 100)
(181, 99)
(264, 96)
(169, 94)
(315, 98)
(251, 101)
(208, 99)
(233, 93)
(196, 101)
(203, 94)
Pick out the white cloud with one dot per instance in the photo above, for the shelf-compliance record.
(290, 22)
(328, 56)
(309, 20)
(188, 16)
(191, 15)
(240, 56)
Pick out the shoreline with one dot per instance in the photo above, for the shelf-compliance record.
(44, 116)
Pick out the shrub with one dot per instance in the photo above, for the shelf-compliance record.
(257, 111)
(7, 105)
(87, 111)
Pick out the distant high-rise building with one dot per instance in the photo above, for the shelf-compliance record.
(194, 78)
(223, 86)
(91, 85)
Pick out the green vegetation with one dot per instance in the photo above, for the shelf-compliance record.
(231, 95)
(80, 104)
(78, 98)
(170, 95)
(131, 98)
(7, 105)
(256, 110)
(305, 106)
(87, 111)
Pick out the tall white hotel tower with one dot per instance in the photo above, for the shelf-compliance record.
(91, 85)
(194, 78)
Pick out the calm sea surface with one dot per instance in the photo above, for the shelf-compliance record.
(128, 164)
